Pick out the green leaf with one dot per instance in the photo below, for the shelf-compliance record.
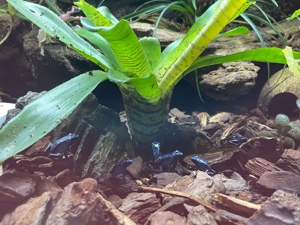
(105, 12)
(127, 49)
(148, 10)
(291, 61)
(147, 86)
(93, 14)
(152, 49)
(282, 119)
(272, 55)
(192, 46)
(98, 41)
(242, 10)
(55, 27)
(43, 114)
(294, 15)
(234, 32)
(117, 77)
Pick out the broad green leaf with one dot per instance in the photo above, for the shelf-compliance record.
(127, 49)
(294, 15)
(117, 77)
(174, 50)
(124, 44)
(89, 25)
(224, 13)
(146, 86)
(105, 12)
(43, 114)
(291, 61)
(272, 55)
(93, 14)
(55, 27)
(98, 41)
(152, 49)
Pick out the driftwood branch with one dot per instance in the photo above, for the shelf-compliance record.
(115, 213)
(235, 205)
(181, 194)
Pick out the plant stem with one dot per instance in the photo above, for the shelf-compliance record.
(147, 118)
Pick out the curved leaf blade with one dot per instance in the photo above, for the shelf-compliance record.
(233, 32)
(152, 49)
(291, 61)
(127, 49)
(146, 87)
(43, 114)
(55, 27)
(196, 44)
(93, 14)
(272, 55)
(97, 40)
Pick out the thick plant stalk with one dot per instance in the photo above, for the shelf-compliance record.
(146, 119)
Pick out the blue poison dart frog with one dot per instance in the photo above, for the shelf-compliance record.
(166, 162)
(236, 139)
(156, 150)
(59, 147)
(202, 165)
(120, 167)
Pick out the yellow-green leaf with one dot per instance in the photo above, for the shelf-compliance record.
(127, 49)
(93, 14)
(291, 61)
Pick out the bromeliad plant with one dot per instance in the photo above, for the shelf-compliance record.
(145, 75)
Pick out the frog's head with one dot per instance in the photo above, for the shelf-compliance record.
(71, 135)
(177, 153)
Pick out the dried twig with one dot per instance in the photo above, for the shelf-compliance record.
(111, 209)
(237, 205)
(181, 194)
(259, 138)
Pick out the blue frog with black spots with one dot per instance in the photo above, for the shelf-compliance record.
(202, 165)
(59, 147)
(163, 162)
(121, 166)
(235, 139)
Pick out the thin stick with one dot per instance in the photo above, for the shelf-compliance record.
(181, 194)
(120, 217)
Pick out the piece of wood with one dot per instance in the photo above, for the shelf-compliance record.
(181, 194)
(258, 166)
(235, 205)
(111, 209)
(290, 161)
